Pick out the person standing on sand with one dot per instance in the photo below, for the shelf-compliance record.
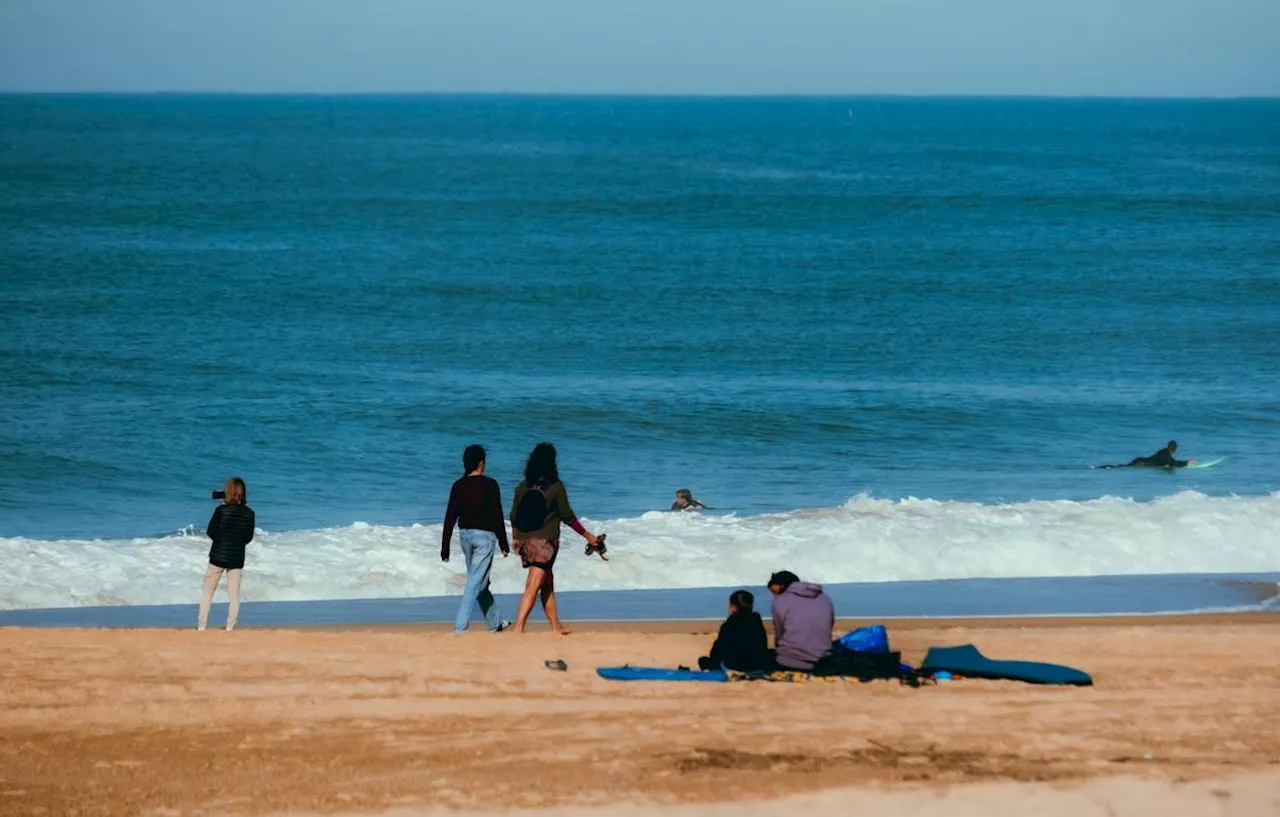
(803, 618)
(231, 529)
(541, 503)
(475, 506)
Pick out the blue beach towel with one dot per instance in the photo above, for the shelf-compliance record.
(629, 673)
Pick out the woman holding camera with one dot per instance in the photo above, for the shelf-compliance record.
(541, 504)
(231, 529)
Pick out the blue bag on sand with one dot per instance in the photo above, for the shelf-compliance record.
(864, 639)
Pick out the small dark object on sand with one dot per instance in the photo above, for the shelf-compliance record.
(556, 665)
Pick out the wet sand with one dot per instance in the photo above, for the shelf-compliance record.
(411, 721)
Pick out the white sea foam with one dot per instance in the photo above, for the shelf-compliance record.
(865, 540)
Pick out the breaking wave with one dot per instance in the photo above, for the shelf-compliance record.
(866, 539)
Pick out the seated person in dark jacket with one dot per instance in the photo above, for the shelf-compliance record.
(742, 644)
(1161, 459)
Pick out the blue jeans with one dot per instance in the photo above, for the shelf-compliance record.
(478, 547)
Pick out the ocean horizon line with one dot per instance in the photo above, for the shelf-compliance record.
(635, 95)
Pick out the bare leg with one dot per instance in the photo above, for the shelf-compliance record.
(211, 578)
(532, 581)
(549, 604)
(233, 593)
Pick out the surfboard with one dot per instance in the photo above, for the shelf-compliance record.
(1207, 463)
(659, 674)
(1201, 464)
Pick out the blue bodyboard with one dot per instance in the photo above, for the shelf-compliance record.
(966, 661)
(659, 674)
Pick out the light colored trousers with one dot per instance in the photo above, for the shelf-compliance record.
(478, 547)
(211, 578)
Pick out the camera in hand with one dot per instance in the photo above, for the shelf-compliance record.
(219, 495)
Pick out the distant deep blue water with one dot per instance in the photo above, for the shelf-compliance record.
(779, 303)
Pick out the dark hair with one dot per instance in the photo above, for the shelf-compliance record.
(783, 578)
(541, 467)
(743, 600)
(1173, 445)
(472, 457)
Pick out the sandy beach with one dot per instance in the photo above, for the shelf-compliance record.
(413, 720)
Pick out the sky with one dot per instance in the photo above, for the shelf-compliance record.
(928, 47)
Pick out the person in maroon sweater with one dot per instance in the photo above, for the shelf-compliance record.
(475, 506)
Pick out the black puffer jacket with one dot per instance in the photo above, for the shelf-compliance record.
(231, 528)
(741, 645)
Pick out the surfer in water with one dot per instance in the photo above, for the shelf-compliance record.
(1161, 459)
(685, 501)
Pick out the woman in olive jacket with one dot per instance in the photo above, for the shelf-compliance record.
(537, 541)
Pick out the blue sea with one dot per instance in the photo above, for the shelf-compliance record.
(884, 339)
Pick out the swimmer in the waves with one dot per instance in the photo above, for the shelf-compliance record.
(685, 501)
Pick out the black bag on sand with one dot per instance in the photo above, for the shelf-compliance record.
(866, 666)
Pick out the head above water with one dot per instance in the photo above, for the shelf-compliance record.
(473, 459)
(1172, 446)
(236, 493)
(684, 497)
(741, 601)
(780, 581)
(541, 466)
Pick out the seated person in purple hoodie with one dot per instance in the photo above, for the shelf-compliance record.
(742, 643)
(803, 618)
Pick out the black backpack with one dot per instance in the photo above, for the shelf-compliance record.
(531, 513)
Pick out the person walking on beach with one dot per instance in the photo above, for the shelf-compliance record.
(803, 618)
(475, 506)
(541, 504)
(231, 529)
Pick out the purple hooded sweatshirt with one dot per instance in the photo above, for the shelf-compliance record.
(803, 618)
